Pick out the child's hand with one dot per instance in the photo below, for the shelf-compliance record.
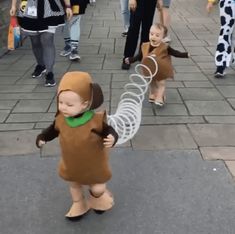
(132, 5)
(108, 141)
(209, 6)
(41, 143)
(69, 13)
(13, 11)
(189, 55)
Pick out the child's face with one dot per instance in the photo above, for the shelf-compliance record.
(71, 104)
(155, 36)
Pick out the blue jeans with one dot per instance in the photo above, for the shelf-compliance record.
(72, 29)
(125, 14)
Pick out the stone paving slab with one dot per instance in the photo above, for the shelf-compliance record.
(163, 184)
(163, 137)
(213, 134)
(218, 153)
(209, 108)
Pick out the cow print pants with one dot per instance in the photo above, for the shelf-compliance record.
(225, 48)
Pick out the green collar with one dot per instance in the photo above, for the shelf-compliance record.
(75, 122)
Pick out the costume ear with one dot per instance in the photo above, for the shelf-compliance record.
(97, 97)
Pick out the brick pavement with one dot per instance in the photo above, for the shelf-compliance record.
(200, 110)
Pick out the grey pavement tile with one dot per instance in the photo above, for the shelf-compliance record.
(197, 50)
(172, 96)
(31, 106)
(209, 108)
(89, 49)
(16, 88)
(8, 80)
(194, 42)
(99, 32)
(183, 76)
(3, 115)
(42, 125)
(171, 109)
(30, 117)
(198, 84)
(206, 65)
(186, 68)
(14, 96)
(163, 137)
(227, 91)
(213, 134)
(220, 119)
(106, 48)
(232, 102)
(174, 84)
(218, 153)
(203, 58)
(182, 61)
(179, 119)
(229, 80)
(16, 126)
(7, 104)
(203, 94)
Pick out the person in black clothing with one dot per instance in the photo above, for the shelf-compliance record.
(142, 13)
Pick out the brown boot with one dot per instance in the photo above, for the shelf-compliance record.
(78, 209)
(102, 203)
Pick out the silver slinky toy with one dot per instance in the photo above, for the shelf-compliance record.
(126, 121)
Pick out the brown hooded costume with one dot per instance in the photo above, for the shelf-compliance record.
(84, 157)
(162, 54)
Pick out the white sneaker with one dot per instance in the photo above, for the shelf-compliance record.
(74, 56)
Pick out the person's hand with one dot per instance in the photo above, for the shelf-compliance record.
(159, 4)
(69, 13)
(41, 143)
(108, 141)
(132, 5)
(209, 6)
(13, 11)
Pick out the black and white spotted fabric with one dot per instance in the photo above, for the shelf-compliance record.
(225, 48)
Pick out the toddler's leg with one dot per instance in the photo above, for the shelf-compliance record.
(152, 91)
(160, 96)
(100, 198)
(80, 205)
(75, 37)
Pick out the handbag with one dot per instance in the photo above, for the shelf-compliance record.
(14, 38)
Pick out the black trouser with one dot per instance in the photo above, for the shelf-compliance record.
(143, 15)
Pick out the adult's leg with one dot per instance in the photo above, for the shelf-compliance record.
(37, 49)
(223, 53)
(48, 48)
(67, 48)
(125, 14)
(75, 31)
(133, 32)
(147, 20)
(166, 13)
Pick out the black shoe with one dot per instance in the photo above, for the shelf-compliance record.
(124, 34)
(50, 82)
(219, 73)
(38, 71)
(125, 66)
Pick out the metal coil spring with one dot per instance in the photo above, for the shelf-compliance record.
(126, 121)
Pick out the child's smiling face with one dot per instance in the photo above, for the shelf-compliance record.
(71, 104)
(155, 36)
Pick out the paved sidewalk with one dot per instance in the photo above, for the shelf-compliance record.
(197, 123)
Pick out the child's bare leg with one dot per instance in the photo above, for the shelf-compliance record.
(100, 199)
(160, 96)
(152, 91)
(80, 205)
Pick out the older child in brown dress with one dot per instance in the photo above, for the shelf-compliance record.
(162, 53)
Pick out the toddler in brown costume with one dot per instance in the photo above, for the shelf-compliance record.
(84, 137)
(162, 54)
